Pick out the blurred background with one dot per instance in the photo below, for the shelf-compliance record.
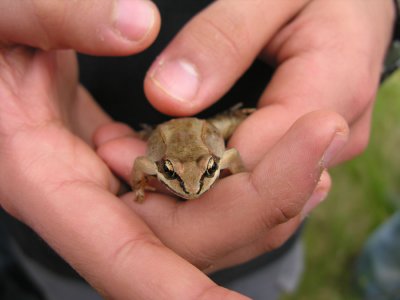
(364, 197)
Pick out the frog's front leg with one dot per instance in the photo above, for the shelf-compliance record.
(232, 161)
(142, 168)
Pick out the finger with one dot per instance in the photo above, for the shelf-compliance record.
(271, 241)
(273, 193)
(111, 131)
(322, 61)
(116, 27)
(120, 154)
(118, 145)
(277, 118)
(316, 70)
(276, 237)
(212, 51)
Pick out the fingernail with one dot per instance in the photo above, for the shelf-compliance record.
(133, 18)
(177, 78)
(316, 198)
(337, 143)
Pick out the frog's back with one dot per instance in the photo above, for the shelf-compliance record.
(189, 138)
(181, 131)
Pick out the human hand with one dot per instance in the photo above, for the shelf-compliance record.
(52, 179)
(328, 54)
(245, 214)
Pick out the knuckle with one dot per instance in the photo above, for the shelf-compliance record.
(201, 259)
(48, 15)
(57, 23)
(218, 35)
(278, 207)
(283, 212)
(133, 245)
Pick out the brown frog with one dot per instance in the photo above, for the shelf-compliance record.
(188, 154)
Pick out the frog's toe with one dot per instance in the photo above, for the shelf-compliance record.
(139, 196)
(150, 188)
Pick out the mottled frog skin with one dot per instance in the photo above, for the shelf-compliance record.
(188, 154)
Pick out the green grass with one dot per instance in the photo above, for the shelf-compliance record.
(365, 192)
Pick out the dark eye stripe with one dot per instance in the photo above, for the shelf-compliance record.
(212, 167)
(181, 184)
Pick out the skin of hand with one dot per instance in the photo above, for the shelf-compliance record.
(53, 181)
(328, 55)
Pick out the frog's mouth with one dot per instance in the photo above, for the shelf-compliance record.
(183, 192)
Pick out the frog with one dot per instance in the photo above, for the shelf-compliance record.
(187, 154)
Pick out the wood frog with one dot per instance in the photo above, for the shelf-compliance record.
(188, 154)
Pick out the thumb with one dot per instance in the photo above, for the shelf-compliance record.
(212, 51)
(109, 27)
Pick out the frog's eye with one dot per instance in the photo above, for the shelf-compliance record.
(212, 167)
(168, 169)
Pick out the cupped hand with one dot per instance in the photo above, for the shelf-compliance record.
(53, 181)
(51, 177)
(328, 55)
(243, 215)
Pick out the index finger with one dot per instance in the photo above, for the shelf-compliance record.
(109, 27)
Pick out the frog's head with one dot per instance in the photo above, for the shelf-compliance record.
(189, 179)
